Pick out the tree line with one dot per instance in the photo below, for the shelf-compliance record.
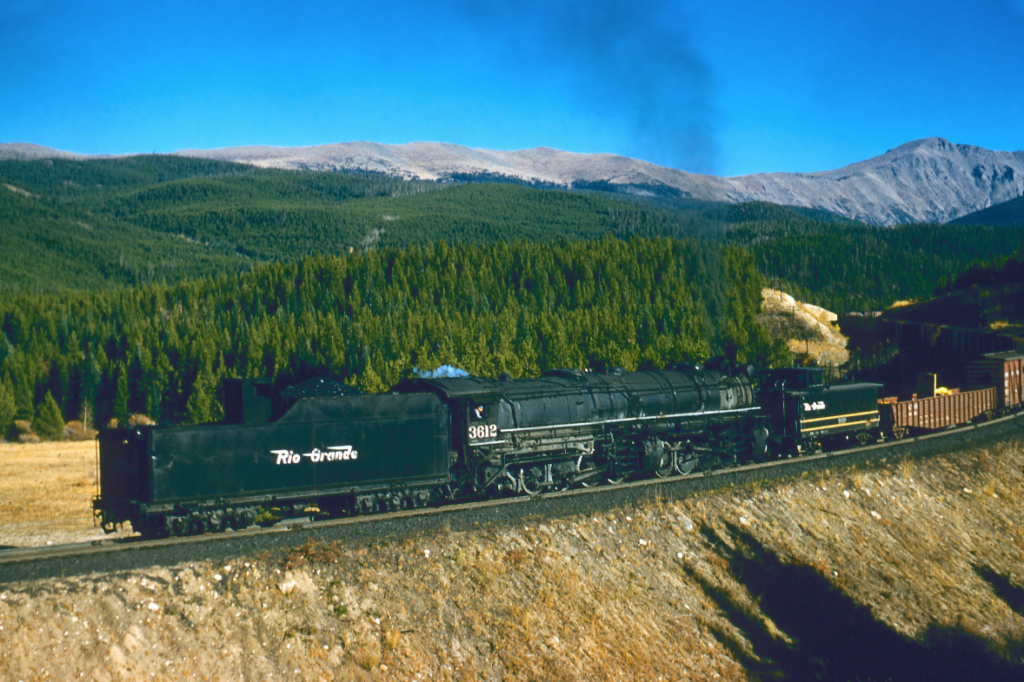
(367, 318)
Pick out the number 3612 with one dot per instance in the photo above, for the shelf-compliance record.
(484, 431)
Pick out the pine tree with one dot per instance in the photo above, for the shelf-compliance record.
(49, 423)
(198, 407)
(8, 408)
(202, 406)
(121, 396)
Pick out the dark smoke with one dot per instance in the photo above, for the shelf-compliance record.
(629, 61)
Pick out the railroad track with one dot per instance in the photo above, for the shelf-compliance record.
(111, 556)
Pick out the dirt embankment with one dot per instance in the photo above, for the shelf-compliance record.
(911, 570)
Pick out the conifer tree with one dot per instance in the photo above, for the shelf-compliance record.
(121, 396)
(7, 406)
(49, 424)
(198, 407)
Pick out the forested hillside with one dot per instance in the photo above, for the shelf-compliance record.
(111, 222)
(854, 267)
(1000, 271)
(138, 220)
(1006, 214)
(134, 285)
(367, 319)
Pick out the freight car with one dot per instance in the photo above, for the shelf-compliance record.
(993, 383)
(426, 441)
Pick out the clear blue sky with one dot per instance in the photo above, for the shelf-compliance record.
(730, 88)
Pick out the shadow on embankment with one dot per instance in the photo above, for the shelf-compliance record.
(835, 638)
(1004, 589)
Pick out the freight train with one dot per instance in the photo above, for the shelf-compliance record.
(428, 441)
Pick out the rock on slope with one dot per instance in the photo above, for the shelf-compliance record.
(809, 330)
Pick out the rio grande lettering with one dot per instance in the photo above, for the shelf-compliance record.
(334, 453)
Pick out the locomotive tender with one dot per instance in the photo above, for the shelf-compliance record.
(431, 440)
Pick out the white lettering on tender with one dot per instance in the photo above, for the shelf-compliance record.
(334, 453)
(819, 405)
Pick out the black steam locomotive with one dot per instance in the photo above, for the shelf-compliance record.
(431, 440)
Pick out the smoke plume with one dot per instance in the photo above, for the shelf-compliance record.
(630, 62)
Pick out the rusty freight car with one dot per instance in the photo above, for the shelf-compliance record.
(993, 386)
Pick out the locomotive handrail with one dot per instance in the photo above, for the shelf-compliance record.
(630, 419)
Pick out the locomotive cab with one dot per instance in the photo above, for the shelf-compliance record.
(805, 412)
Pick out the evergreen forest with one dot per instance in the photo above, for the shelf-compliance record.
(135, 285)
(369, 318)
(106, 223)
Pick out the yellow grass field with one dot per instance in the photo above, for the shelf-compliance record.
(46, 492)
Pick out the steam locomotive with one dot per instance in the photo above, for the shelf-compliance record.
(433, 440)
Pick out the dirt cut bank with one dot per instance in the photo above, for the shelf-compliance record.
(909, 570)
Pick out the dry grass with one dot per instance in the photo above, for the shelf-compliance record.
(46, 492)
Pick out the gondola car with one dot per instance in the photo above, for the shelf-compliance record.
(993, 385)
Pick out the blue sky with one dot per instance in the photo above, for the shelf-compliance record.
(730, 88)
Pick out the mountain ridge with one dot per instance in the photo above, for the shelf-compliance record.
(927, 180)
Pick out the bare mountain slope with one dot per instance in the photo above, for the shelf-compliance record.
(442, 161)
(927, 180)
(23, 151)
